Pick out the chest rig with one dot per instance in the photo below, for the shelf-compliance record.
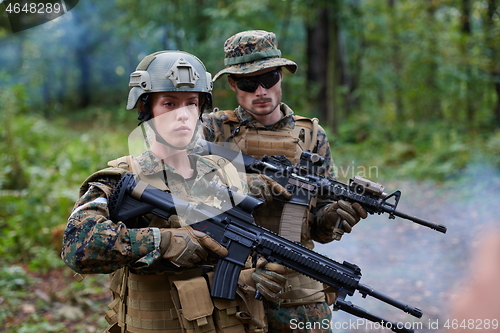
(290, 221)
(257, 142)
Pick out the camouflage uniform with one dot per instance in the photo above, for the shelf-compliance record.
(95, 244)
(279, 319)
(249, 52)
(214, 132)
(158, 282)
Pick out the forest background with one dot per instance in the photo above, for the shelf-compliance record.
(408, 91)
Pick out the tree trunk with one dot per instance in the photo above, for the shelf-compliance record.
(83, 61)
(466, 34)
(83, 64)
(335, 73)
(494, 66)
(317, 63)
(396, 60)
(497, 108)
(352, 62)
(432, 107)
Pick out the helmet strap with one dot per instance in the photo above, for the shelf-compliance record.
(145, 113)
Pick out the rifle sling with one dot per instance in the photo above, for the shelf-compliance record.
(292, 218)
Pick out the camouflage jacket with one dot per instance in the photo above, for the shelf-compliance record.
(214, 132)
(94, 244)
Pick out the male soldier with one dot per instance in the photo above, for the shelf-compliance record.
(160, 269)
(263, 125)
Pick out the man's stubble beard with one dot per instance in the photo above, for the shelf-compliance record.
(271, 110)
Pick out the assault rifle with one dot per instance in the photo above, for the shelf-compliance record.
(232, 226)
(304, 182)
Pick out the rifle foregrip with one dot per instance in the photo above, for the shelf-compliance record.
(225, 279)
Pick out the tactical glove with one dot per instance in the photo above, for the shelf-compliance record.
(342, 216)
(185, 246)
(270, 280)
(261, 186)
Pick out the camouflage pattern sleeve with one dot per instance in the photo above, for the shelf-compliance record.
(212, 126)
(323, 149)
(318, 232)
(94, 244)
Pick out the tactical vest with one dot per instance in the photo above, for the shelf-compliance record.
(288, 220)
(259, 142)
(178, 302)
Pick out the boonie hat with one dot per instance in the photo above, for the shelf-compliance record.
(253, 50)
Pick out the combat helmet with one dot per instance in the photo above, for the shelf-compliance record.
(169, 71)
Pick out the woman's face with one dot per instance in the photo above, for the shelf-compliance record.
(176, 115)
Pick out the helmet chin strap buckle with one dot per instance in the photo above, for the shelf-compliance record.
(182, 73)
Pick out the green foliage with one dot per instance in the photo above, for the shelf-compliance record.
(13, 279)
(36, 325)
(398, 59)
(492, 148)
(13, 285)
(43, 259)
(415, 75)
(43, 162)
(425, 151)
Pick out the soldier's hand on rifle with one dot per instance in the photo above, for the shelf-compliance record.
(270, 280)
(262, 186)
(185, 246)
(342, 216)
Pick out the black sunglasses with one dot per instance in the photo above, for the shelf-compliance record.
(251, 83)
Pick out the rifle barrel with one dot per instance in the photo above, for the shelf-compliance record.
(362, 313)
(437, 227)
(365, 290)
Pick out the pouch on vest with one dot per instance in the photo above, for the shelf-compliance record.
(244, 313)
(303, 137)
(225, 316)
(253, 313)
(194, 306)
